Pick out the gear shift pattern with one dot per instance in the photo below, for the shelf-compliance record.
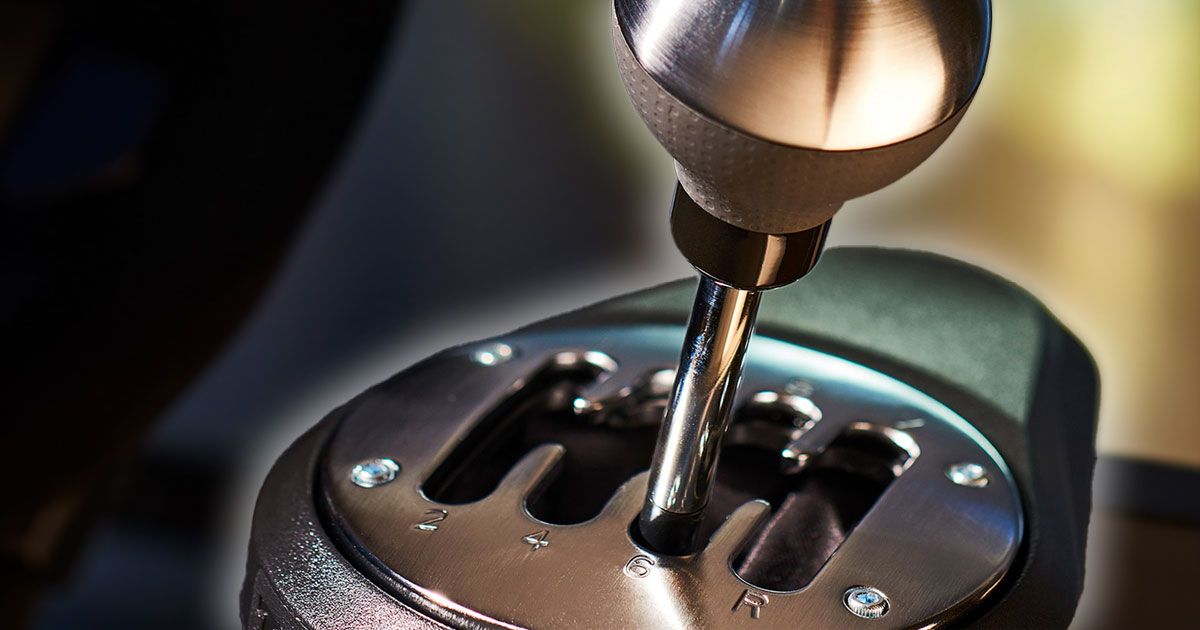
(775, 113)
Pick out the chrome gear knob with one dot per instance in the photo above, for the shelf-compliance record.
(778, 112)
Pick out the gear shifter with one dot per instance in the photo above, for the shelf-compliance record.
(775, 113)
(906, 443)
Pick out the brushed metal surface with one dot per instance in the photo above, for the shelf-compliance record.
(779, 111)
(834, 75)
(936, 548)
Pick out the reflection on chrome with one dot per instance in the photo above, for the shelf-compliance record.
(820, 74)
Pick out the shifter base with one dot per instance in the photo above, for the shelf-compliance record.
(518, 483)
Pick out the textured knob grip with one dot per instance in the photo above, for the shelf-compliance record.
(758, 185)
(763, 183)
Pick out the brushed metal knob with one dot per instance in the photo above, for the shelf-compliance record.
(778, 111)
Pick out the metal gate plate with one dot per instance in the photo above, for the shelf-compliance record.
(937, 541)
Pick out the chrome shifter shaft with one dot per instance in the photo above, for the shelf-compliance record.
(685, 458)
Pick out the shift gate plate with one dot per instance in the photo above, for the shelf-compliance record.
(934, 547)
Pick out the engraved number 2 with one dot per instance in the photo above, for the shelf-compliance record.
(430, 524)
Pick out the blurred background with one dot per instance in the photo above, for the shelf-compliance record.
(220, 221)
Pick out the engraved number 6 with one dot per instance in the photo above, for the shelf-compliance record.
(639, 566)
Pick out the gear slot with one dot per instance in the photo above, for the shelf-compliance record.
(814, 508)
(599, 457)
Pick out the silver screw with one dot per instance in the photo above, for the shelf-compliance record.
(866, 602)
(968, 474)
(493, 354)
(374, 472)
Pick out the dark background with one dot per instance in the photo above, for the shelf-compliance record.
(222, 219)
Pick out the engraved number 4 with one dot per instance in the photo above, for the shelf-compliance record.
(538, 539)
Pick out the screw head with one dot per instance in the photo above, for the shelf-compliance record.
(374, 472)
(866, 602)
(968, 474)
(493, 354)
